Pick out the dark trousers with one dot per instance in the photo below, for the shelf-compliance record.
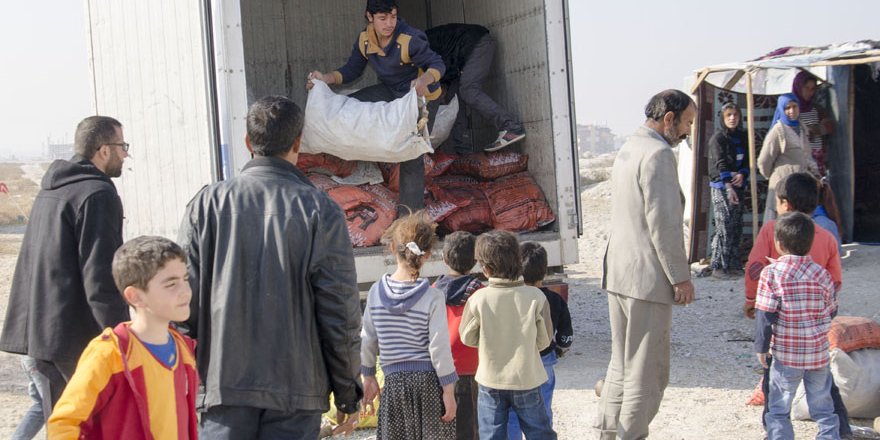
(412, 172)
(839, 407)
(471, 95)
(242, 422)
(466, 392)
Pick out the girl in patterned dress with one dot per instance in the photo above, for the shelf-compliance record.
(405, 326)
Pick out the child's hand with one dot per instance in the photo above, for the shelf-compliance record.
(762, 358)
(749, 311)
(345, 423)
(371, 390)
(449, 402)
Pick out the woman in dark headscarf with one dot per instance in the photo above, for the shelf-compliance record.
(784, 150)
(728, 172)
(813, 118)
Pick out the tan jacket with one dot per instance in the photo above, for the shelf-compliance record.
(509, 323)
(645, 253)
(783, 153)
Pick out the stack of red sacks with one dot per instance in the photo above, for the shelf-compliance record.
(473, 193)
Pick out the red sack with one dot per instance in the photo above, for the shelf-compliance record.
(326, 162)
(851, 333)
(435, 165)
(438, 163)
(490, 166)
(438, 210)
(518, 204)
(473, 214)
(368, 221)
(322, 181)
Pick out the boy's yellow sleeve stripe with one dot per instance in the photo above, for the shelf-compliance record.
(78, 404)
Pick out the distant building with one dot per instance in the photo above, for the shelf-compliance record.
(597, 139)
(60, 151)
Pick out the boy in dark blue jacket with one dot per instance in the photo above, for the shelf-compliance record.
(402, 59)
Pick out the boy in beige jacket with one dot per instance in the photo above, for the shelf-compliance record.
(509, 323)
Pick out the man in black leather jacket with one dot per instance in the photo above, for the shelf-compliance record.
(62, 292)
(276, 308)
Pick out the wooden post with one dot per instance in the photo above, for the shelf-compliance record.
(753, 169)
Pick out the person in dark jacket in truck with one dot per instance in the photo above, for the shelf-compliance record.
(467, 51)
(63, 293)
(276, 308)
(402, 59)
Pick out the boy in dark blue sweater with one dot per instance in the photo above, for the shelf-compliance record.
(402, 59)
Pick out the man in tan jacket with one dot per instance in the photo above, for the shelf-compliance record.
(645, 268)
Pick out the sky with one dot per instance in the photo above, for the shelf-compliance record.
(623, 52)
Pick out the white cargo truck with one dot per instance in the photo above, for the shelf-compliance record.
(180, 76)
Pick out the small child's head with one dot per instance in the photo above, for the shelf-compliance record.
(793, 234)
(410, 239)
(151, 274)
(798, 192)
(498, 254)
(458, 252)
(534, 262)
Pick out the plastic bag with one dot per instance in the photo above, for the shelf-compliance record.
(370, 131)
(857, 375)
(444, 121)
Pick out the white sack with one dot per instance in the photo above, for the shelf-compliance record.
(857, 374)
(444, 121)
(369, 131)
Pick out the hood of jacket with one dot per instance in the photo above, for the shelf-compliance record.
(457, 288)
(66, 172)
(399, 301)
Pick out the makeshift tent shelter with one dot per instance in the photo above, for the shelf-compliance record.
(848, 75)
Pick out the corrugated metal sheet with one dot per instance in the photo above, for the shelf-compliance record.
(148, 72)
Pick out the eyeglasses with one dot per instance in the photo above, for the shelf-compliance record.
(125, 145)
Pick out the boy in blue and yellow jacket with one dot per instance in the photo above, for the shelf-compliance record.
(402, 59)
(138, 380)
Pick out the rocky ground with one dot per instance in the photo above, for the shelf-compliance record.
(713, 370)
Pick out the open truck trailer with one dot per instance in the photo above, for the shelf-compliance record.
(181, 75)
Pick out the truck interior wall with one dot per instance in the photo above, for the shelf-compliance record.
(147, 70)
(866, 151)
(285, 39)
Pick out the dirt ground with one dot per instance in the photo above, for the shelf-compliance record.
(711, 379)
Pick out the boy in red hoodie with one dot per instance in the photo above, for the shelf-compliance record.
(458, 285)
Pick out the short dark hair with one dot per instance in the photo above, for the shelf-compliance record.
(534, 262)
(381, 6)
(458, 251)
(92, 132)
(795, 231)
(273, 125)
(498, 253)
(671, 100)
(138, 260)
(800, 190)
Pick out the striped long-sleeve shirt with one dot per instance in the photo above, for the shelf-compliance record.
(404, 326)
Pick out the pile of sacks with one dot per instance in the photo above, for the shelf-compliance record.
(474, 193)
(854, 343)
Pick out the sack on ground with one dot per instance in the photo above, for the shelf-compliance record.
(355, 130)
(857, 375)
(850, 333)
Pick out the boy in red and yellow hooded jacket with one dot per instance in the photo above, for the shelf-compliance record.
(138, 380)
